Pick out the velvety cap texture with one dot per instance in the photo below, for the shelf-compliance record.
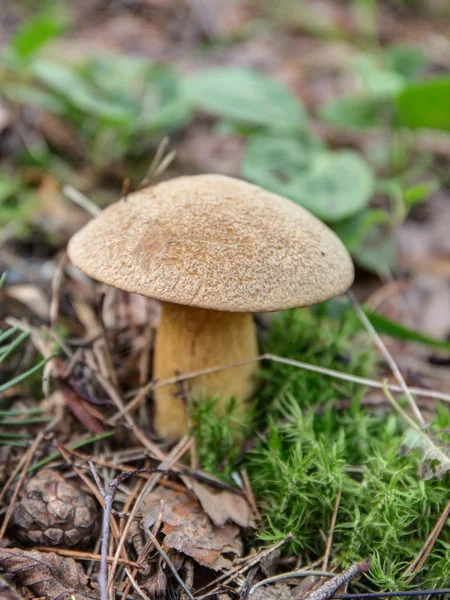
(214, 242)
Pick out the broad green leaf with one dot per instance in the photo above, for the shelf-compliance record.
(164, 104)
(376, 251)
(425, 105)
(377, 79)
(70, 85)
(400, 332)
(352, 231)
(415, 194)
(332, 186)
(30, 95)
(34, 34)
(358, 111)
(338, 185)
(279, 163)
(406, 60)
(246, 96)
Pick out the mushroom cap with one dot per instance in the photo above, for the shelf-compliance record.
(214, 242)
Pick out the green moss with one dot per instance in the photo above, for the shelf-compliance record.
(313, 437)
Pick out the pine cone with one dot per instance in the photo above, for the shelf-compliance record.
(53, 512)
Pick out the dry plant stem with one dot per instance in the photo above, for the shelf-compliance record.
(301, 573)
(332, 526)
(140, 561)
(169, 563)
(136, 586)
(329, 588)
(56, 289)
(422, 556)
(115, 397)
(98, 494)
(108, 499)
(81, 200)
(249, 494)
(171, 459)
(385, 352)
(79, 555)
(143, 392)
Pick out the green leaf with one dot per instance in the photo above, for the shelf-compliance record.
(415, 194)
(70, 85)
(400, 332)
(358, 111)
(337, 186)
(24, 375)
(376, 252)
(246, 96)
(34, 34)
(279, 163)
(330, 185)
(425, 105)
(406, 60)
(352, 231)
(377, 79)
(30, 95)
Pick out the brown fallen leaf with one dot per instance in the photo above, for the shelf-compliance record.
(46, 574)
(222, 506)
(189, 530)
(7, 592)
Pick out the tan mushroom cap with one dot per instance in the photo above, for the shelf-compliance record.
(214, 242)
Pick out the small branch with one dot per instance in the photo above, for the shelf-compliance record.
(152, 385)
(422, 556)
(328, 589)
(169, 563)
(387, 355)
(332, 526)
(301, 573)
(81, 200)
(108, 498)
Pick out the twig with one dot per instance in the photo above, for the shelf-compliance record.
(56, 289)
(159, 164)
(108, 498)
(136, 586)
(249, 493)
(410, 594)
(385, 352)
(301, 573)
(421, 557)
(327, 589)
(79, 555)
(152, 385)
(169, 460)
(169, 563)
(332, 526)
(251, 562)
(81, 200)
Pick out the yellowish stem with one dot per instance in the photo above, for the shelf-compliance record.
(191, 339)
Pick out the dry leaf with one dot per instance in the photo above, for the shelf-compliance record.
(222, 506)
(190, 531)
(274, 591)
(33, 298)
(46, 574)
(7, 592)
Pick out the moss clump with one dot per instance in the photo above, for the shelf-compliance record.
(314, 437)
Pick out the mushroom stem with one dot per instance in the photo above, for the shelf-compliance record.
(191, 339)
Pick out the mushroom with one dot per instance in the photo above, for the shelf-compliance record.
(213, 250)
